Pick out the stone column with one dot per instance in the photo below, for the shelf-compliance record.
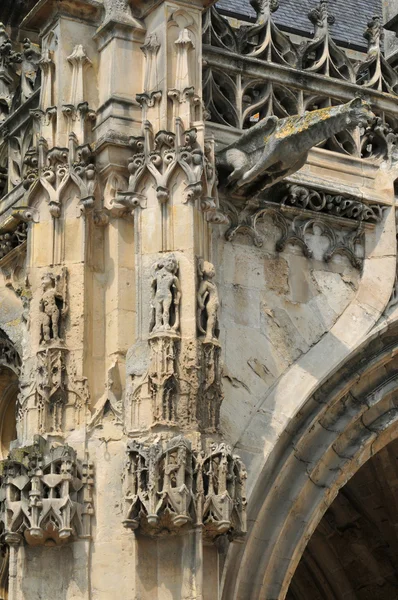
(173, 368)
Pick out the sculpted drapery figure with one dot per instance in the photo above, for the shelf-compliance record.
(52, 306)
(166, 295)
(208, 302)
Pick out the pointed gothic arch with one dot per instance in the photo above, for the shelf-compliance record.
(346, 421)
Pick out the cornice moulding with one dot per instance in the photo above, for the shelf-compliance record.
(45, 10)
(142, 8)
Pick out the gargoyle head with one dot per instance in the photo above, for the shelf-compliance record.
(359, 113)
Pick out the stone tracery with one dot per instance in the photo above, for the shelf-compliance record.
(122, 256)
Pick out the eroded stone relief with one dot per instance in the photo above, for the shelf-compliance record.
(46, 495)
(129, 299)
(169, 486)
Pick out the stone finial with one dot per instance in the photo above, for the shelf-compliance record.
(320, 17)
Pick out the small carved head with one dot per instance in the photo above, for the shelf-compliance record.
(206, 270)
(47, 281)
(169, 263)
(360, 113)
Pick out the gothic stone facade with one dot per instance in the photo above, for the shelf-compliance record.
(198, 294)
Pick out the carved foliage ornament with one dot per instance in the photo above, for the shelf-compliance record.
(45, 495)
(168, 486)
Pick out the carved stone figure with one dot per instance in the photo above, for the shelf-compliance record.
(53, 306)
(54, 503)
(275, 148)
(208, 302)
(169, 485)
(166, 295)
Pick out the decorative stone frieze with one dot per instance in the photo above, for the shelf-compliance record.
(326, 203)
(298, 212)
(168, 486)
(46, 495)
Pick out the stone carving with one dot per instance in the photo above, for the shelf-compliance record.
(77, 113)
(8, 61)
(53, 306)
(21, 156)
(166, 296)
(8, 354)
(152, 95)
(164, 327)
(119, 11)
(375, 72)
(83, 173)
(46, 114)
(330, 204)
(344, 238)
(12, 239)
(160, 156)
(379, 141)
(218, 32)
(30, 66)
(321, 55)
(54, 174)
(274, 149)
(169, 486)
(45, 494)
(263, 39)
(208, 302)
(183, 94)
(54, 397)
(163, 378)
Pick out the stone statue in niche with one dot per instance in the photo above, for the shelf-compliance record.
(208, 302)
(166, 296)
(53, 306)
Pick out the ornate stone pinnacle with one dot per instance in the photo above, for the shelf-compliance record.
(374, 34)
(320, 16)
(264, 8)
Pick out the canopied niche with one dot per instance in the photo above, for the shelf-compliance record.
(353, 553)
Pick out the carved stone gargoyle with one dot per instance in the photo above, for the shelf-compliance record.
(276, 148)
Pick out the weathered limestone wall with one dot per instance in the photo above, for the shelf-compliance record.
(278, 305)
(173, 291)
